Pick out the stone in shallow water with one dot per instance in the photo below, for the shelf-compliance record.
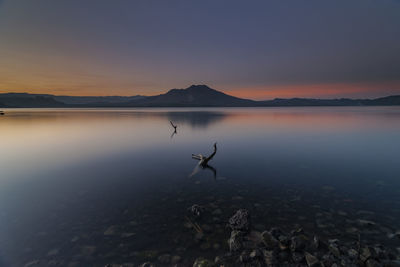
(205, 246)
(175, 259)
(269, 240)
(88, 250)
(235, 242)
(366, 222)
(297, 257)
(111, 230)
(217, 212)
(52, 252)
(127, 235)
(75, 238)
(311, 260)
(240, 220)
(196, 210)
(165, 258)
(32, 263)
(335, 251)
(202, 262)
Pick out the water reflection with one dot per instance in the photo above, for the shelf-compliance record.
(203, 162)
(92, 187)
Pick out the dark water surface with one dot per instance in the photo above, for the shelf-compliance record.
(88, 187)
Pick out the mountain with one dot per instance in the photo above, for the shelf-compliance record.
(97, 100)
(193, 96)
(18, 100)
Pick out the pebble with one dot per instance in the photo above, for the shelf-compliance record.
(311, 260)
(52, 252)
(165, 258)
(111, 230)
(176, 259)
(217, 212)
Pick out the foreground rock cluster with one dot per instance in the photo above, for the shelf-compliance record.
(277, 248)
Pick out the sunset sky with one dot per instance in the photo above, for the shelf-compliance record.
(252, 49)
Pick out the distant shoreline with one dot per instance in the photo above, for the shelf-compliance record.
(193, 96)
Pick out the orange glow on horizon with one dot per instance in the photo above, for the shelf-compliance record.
(336, 90)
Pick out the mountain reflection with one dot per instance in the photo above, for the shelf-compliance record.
(195, 119)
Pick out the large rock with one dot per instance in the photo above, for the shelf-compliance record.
(201, 262)
(311, 260)
(235, 242)
(269, 240)
(240, 221)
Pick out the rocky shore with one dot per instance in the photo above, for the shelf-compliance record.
(275, 247)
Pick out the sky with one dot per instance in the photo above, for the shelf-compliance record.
(253, 49)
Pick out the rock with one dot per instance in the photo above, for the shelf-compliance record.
(235, 242)
(217, 212)
(127, 235)
(353, 254)
(52, 252)
(372, 263)
(269, 240)
(207, 228)
(88, 250)
(254, 237)
(196, 210)
(270, 258)
(244, 257)
(201, 262)
(311, 260)
(165, 258)
(147, 264)
(276, 232)
(365, 254)
(205, 246)
(366, 223)
(111, 230)
(199, 236)
(176, 259)
(297, 257)
(334, 250)
(32, 263)
(75, 238)
(254, 254)
(240, 220)
(298, 243)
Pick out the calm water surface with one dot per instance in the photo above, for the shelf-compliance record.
(88, 187)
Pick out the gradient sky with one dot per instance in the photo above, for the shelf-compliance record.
(254, 49)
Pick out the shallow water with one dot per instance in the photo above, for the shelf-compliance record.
(88, 187)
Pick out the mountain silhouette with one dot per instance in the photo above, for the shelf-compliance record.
(193, 96)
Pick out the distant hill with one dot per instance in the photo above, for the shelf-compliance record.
(193, 96)
(19, 100)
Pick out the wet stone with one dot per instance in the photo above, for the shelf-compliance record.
(196, 210)
(165, 258)
(217, 212)
(311, 260)
(297, 257)
(240, 220)
(202, 262)
(111, 230)
(269, 240)
(176, 259)
(235, 242)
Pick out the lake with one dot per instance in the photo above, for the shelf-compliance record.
(90, 187)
